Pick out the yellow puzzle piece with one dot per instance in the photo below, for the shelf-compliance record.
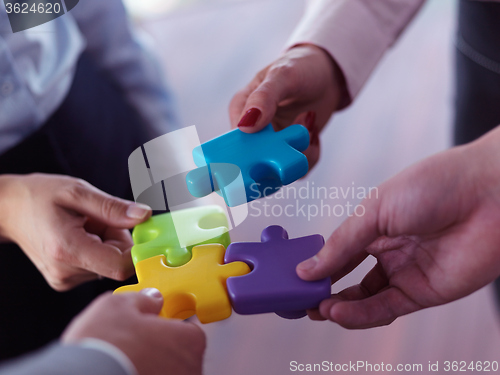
(197, 287)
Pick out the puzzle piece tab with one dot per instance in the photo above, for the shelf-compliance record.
(175, 233)
(198, 287)
(267, 160)
(273, 284)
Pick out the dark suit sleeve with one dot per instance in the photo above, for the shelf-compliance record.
(57, 359)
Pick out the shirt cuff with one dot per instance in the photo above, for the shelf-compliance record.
(110, 350)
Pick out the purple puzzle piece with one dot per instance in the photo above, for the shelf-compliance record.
(273, 284)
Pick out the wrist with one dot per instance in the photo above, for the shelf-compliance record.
(9, 185)
(485, 152)
(338, 80)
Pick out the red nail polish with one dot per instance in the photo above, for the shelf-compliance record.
(310, 120)
(250, 118)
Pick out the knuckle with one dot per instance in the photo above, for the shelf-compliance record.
(58, 274)
(59, 287)
(120, 275)
(59, 253)
(238, 101)
(283, 70)
(76, 189)
(109, 206)
(59, 280)
(264, 94)
(261, 75)
(287, 76)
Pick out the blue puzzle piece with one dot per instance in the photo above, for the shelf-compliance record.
(273, 285)
(223, 178)
(259, 163)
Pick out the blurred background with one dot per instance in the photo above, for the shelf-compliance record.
(145, 9)
(211, 49)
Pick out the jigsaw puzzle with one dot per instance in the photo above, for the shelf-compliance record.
(253, 277)
(175, 234)
(197, 287)
(273, 285)
(265, 161)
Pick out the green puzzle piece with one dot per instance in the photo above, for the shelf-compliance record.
(193, 226)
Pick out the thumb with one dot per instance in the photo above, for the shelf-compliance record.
(345, 249)
(262, 103)
(148, 301)
(87, 200)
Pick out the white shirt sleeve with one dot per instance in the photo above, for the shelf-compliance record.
(356, 33)
(37, 67)
(36, 70)
(110, 350)
(60, 359)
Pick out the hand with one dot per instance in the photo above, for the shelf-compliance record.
(129, 321)
(304, 86)
(434, 233)
(70, 230)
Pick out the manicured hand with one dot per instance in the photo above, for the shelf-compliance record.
(70, 230)
(304, 86)
(129, 321)
(434, 231)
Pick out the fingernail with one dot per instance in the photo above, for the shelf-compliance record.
(310, 120)
(250, 118)
(138, 210)
(152, 292)
(308, 264)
